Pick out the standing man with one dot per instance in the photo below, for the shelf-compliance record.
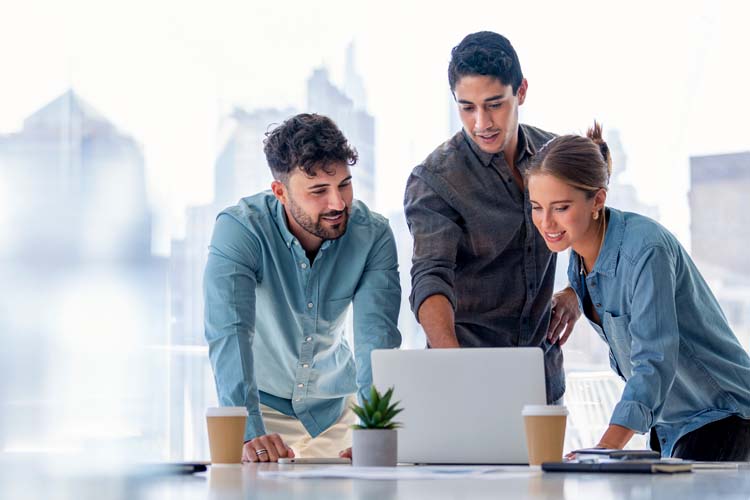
(482, 276)
(283, 268)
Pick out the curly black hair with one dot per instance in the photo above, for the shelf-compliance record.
(306, 141)
(485, 53)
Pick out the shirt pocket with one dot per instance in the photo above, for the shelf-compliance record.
(335, 312)
(616, 329)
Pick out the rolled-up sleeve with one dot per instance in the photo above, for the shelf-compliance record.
(229, 283)
(377, 300)
(434, 226)
(655, 340)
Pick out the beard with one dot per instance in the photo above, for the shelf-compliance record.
(318, 227)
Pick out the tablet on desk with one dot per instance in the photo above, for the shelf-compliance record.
(620, 466)
(617, 454)
(312, 460)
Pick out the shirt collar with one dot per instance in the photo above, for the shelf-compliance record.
(524, 148)
(606, 262)
(289, 239)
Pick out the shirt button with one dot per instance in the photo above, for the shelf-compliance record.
(298, 399)
(305, 365)
(303, 265)
(300, 385)
(308, 339)
(309, 305)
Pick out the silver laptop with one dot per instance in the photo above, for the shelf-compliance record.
(462, 406)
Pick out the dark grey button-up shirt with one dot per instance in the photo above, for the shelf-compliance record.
(475, 243)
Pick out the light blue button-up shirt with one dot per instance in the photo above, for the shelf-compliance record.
(274, 322)
(668, 337)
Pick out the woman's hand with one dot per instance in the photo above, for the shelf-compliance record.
(614, 438)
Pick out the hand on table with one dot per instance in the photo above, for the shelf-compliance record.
(266, 448)
(614, 438)
(347, 453)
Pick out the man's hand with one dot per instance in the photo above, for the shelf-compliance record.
(565, 313)
(347, 453)
(266, 448)
(437, 319)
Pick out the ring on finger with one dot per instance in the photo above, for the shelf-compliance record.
(260, 452)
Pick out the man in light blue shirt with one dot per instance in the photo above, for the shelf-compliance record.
(282, 270)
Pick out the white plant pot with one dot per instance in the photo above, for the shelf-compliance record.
(374, 447)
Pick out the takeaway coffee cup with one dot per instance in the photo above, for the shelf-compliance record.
(545, 432)
(226, 433)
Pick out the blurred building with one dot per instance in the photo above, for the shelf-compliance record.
(82, 292)
(84, 180)
(718, 196)
(357, 124)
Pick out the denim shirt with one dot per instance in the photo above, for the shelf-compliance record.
(668, 338)
(274, 322)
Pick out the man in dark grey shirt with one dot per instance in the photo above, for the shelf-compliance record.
(482, 276)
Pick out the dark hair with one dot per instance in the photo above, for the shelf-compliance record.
(307, 142)
(485, 53)
(582, 162)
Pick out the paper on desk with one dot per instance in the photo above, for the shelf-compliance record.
(404, 472)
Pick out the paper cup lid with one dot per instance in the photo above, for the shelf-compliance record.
(227, 411)
(544, 410)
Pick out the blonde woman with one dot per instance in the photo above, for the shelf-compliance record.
(687, 377)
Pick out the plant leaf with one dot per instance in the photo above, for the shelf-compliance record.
(359, 412)
(385, 400)
(392, 413)
(374, 396)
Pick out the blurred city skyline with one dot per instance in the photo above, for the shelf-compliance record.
(665, 75)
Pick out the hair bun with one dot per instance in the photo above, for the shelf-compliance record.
(595, 134)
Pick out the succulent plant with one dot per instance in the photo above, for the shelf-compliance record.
(377, 412)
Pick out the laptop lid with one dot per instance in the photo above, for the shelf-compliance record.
(462, 406)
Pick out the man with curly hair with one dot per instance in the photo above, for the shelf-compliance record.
(482, 276)
(283, 268)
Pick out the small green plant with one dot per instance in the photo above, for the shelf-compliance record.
(377, 411)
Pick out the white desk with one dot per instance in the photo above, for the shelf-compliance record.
(243, 482)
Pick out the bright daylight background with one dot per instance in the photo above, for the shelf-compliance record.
(126, 126)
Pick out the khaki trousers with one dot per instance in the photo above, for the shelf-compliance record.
(328, 444)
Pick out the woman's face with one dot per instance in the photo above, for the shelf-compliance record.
(562, 214)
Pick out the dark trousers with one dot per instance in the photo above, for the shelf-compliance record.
(726, 440)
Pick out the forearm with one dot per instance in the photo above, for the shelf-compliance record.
(232, 362)
(438, 321)
(229, 284)
(615, 437)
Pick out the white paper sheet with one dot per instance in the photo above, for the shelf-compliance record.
(403, 472)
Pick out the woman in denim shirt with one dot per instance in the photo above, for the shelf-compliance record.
(687, 377)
